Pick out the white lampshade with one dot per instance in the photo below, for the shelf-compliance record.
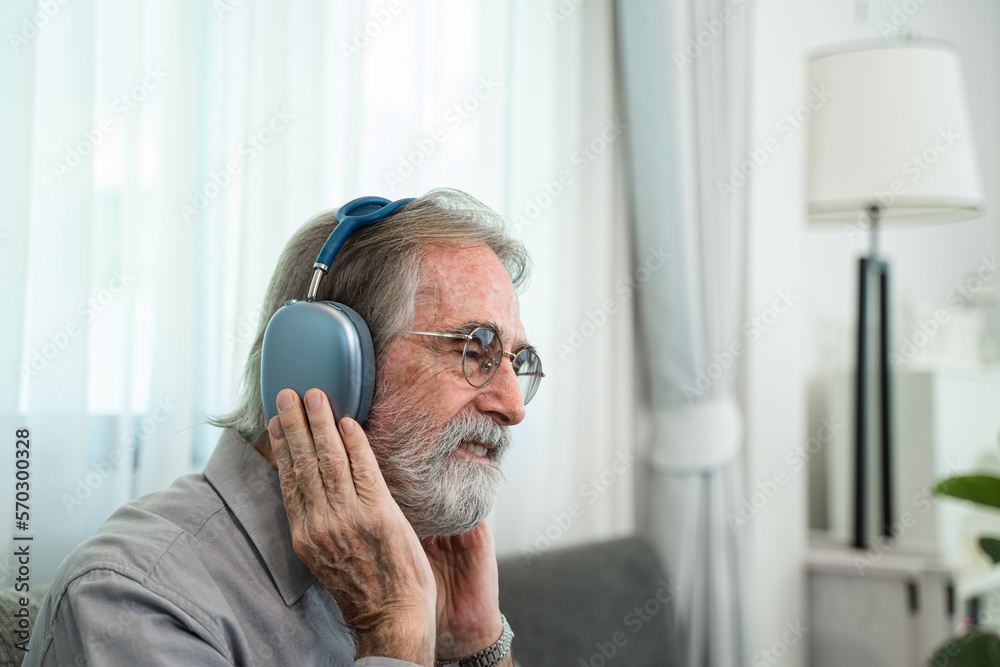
(894, 132)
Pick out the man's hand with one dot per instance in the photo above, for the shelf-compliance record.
(349, 531)
(468, 592)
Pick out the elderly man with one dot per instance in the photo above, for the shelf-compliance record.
(307, 541)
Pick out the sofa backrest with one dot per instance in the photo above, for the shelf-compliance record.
(608, 603)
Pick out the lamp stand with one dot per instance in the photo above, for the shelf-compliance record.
(872, 268)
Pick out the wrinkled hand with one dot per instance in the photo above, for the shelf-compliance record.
(349, 531)
(468, 592)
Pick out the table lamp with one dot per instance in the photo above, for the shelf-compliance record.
(891, 144)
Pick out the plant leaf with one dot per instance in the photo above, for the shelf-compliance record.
(976, 648)
(991, 546)
(982, 489)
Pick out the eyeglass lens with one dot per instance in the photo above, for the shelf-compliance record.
(528, 368)
(481, 360)
(482, 357)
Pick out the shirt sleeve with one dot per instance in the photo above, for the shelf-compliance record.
(112, 620)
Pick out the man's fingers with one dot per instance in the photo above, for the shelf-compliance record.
(365, 472)
(300, 445)
(289, 488)
(334, 467)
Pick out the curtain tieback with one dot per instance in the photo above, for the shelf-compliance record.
(697, 438)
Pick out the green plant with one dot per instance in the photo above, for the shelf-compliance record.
(975, 648)
(982, 490)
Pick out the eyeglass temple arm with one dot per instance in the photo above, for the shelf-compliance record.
(442, 335)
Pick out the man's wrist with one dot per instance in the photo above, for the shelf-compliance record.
(496, 653)
(409, 640)
(475, 634)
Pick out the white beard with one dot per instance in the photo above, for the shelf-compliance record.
(441, 493)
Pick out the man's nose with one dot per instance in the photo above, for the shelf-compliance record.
(502, 396)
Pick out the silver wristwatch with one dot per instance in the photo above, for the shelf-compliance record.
(489, 656)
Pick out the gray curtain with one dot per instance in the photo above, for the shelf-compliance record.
(682, 67)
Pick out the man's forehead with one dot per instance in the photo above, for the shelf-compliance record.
(461, 285)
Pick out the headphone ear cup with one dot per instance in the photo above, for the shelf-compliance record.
(323, 345)
(367, 386)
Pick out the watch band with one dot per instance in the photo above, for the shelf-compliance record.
(489, 656)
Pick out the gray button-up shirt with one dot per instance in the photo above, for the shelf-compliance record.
(200, 574)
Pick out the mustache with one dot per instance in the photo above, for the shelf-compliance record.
(476, 428)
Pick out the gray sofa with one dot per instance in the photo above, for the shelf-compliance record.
(599, 604)
(594, 605)
(9, 606)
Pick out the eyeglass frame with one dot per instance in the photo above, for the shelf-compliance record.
(503, 353)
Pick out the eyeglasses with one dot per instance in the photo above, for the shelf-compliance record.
(483, 353)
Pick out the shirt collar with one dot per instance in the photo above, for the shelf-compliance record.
(250, 488)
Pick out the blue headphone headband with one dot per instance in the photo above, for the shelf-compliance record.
(324, 344)
(353, 215)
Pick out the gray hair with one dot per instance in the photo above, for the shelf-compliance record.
(377, 273)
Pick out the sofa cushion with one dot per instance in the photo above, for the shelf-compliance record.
(597, 604)
(10, 604)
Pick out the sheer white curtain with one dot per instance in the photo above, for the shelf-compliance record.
(158, 156)
(684, 82)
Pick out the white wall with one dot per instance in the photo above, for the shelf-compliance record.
(774, 391)
(816, 335)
